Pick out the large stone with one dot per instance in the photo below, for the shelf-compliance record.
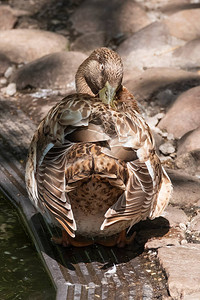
(55, 71)
(185, 24)
(189, 142)
(186, 189)
(184, 115)
(112, 17)
(182, 266)
(195, 223)
(86, 43)
(189, 162)
(167, 6)
(36, 105)
(25, 45)
(173, 237)
(164, 83)
(177, 219)
(188, 56)
(175, 216)
(7, 18)
(151, 46)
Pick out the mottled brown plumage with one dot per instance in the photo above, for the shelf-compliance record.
(92, 167)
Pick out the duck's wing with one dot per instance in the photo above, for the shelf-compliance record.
(66, 124)
(148, 188)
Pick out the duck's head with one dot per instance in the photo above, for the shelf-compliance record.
(100, 75)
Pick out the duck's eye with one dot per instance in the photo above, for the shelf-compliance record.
(101, 67)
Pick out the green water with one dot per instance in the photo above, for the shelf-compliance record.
(22, 274)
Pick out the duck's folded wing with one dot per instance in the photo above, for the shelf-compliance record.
(45, 169)
(135, 203)
(51, 187)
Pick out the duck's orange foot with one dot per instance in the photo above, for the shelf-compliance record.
(120, 240)
(123, 240)
(66, 241)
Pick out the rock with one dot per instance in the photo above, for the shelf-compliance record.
(168, 6)
(25, 45)
(153, 121)
(186, 189)
(173, 237)
(86, 43)
(175, 216)
(162, 83)
(150, 47)
(55, 71)
(167, 148)
(182, 266)
(189, 142)
(7, 18)
(193, 296)
(130, 16)
(195, 223)
(184, 115)
(150, 37)
(37, 105)
(189, 162)
(188, 56)
(4, 63)
(3, 81)
(9, 72)
(112, 17)
(11, 89)
(185, 24)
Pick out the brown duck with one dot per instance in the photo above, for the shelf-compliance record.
(92, 167)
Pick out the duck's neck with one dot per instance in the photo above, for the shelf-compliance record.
(81, 83)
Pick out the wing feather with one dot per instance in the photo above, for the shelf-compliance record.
(51, 188)
(135, 203)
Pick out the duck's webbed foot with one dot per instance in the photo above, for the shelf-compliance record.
(66, 241)
(120, 240)
(123, 240)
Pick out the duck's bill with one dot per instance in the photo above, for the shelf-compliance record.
(107, 94)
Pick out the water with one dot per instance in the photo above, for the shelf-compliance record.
(22, 274)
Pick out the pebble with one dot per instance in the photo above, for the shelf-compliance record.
(183, 242)
(182, 226)
(153, 121)
(8, 72)
(170, 136)
(167, 148)
(11, 89)
(3, 81)
(165, 97)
